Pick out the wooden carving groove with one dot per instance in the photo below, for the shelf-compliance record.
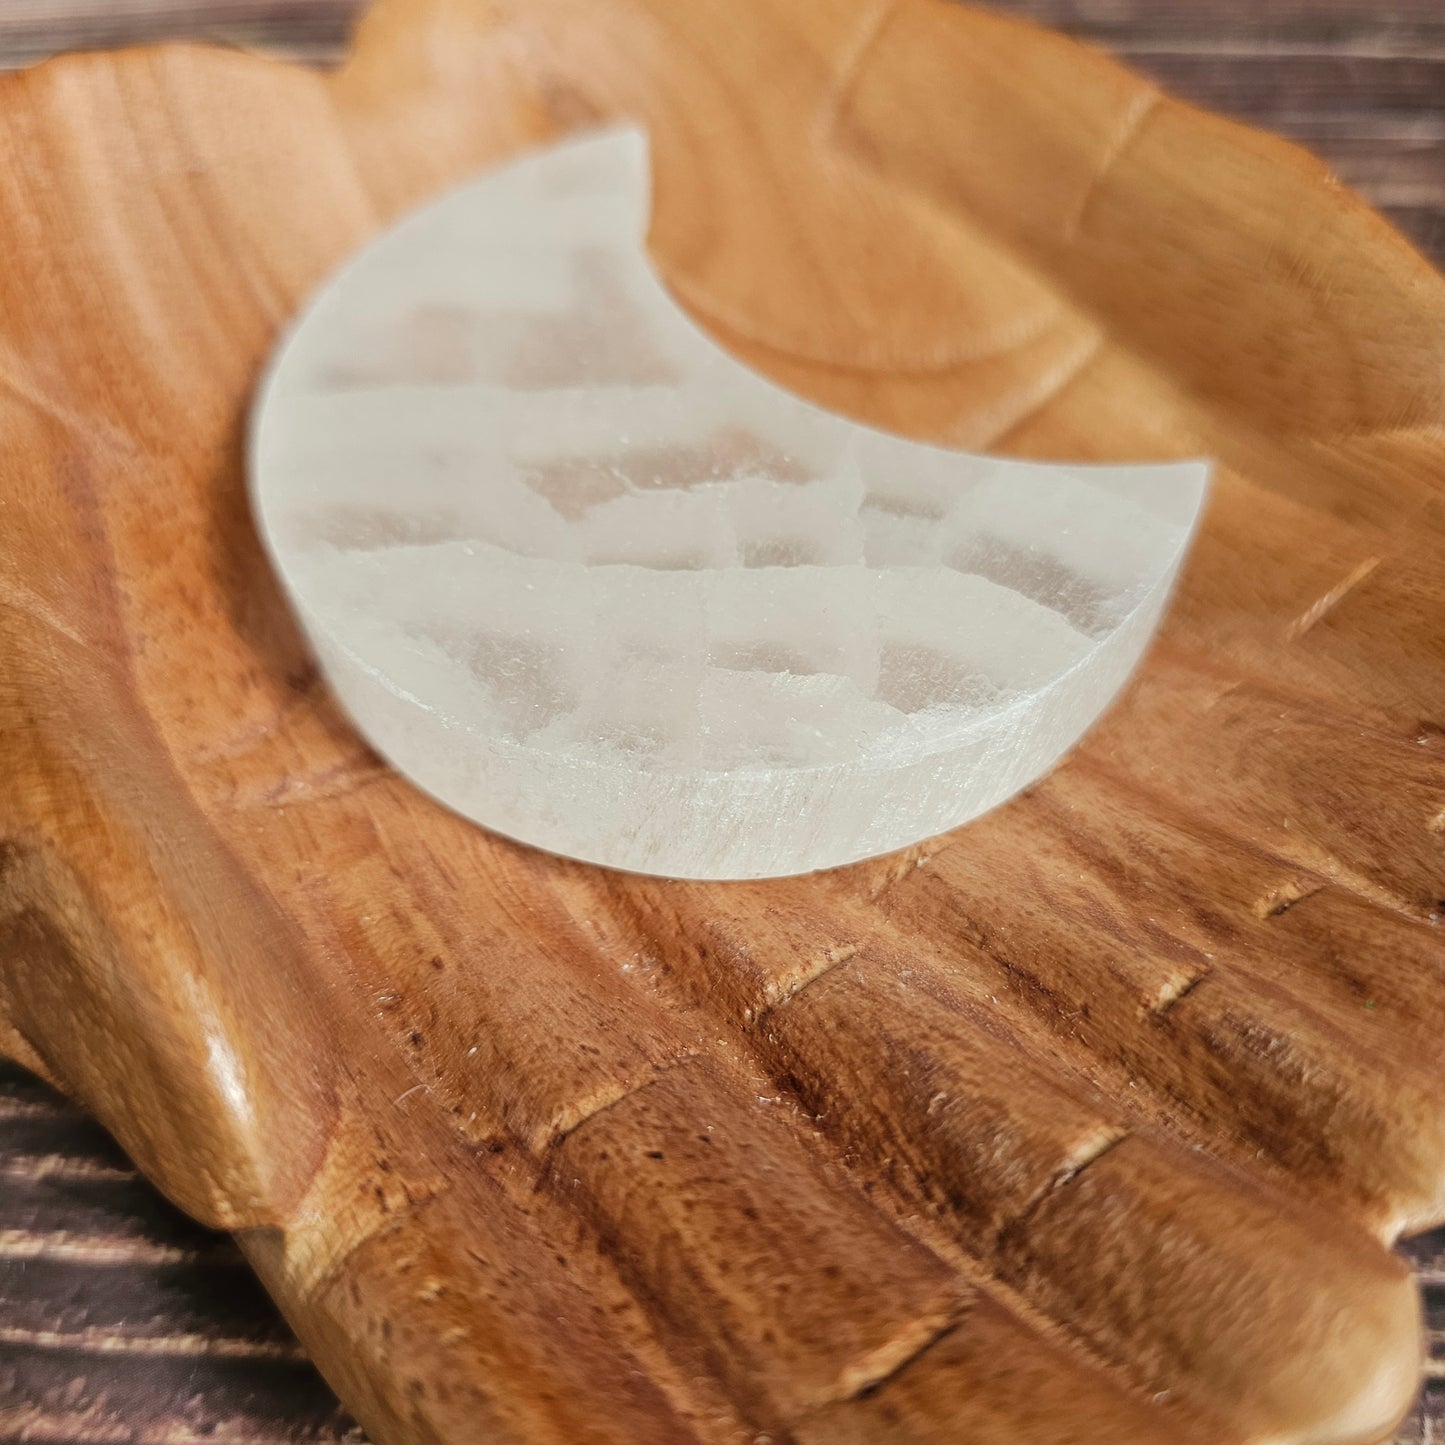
(1092, 1122)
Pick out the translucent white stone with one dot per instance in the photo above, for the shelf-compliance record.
(593, 583)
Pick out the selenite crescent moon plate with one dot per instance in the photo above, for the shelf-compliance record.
(595, 584)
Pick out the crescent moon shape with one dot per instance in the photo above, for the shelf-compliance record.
(596, 585)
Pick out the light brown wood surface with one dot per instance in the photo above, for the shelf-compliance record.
(1092, 1121)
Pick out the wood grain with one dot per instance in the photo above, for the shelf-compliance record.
(1098, 1111)
(310, 30)
(1358, 82)
(122, 1315)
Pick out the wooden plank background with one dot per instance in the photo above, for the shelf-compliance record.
(120, 1321)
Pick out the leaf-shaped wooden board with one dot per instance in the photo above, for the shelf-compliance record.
(1092, 1122)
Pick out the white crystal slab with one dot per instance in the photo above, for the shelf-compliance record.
(598, 586)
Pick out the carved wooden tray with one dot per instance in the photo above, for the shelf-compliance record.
(1092, 1122)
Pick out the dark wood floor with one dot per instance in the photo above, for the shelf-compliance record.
(120, 1321)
